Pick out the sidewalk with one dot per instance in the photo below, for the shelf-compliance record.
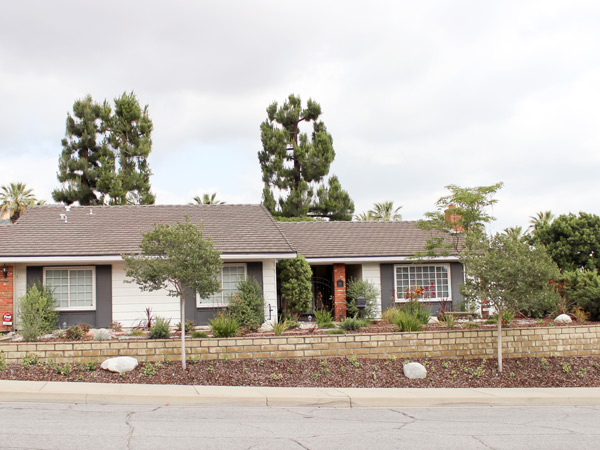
(178, 395)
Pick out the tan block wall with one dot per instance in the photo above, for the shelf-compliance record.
(535, 342)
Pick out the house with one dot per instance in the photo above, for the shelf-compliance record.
(380, 252)
(77, 251)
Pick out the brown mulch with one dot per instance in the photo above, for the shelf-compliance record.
(333, 372)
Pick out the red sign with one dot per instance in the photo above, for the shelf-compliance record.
(7, 317)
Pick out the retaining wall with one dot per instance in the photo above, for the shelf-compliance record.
(581, 340)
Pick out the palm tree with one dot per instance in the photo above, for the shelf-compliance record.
(364, 217)
(381, 212)
(14, 200)
(386, 212)
(541, 219)
(207, 199)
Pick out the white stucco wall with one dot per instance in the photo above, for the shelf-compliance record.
(270, 290)
(129, 302)
(371, 273)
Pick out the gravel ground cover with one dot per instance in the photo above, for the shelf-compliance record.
(330, 372)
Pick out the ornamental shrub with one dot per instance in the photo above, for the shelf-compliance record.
(406, 321)
(324, 319)
(415, 308)
(247, 307)
(353, 324)
(37, 313)
(74, 333)
(361, 288)
(160, 329)
(224, 326)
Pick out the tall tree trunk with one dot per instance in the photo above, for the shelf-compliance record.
(183, 355)
(499, 341)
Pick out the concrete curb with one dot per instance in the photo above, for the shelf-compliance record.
(239, 396)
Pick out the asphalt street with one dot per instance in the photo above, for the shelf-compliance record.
(76, 426)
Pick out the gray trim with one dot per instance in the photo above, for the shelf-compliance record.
(103, 296)
(387, 286)
(103, 314)
(254, 270)
(68, 319)
(457, 278)
(203, 315)
(35, 275)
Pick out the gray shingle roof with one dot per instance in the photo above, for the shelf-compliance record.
(356, 239)
(113, 230)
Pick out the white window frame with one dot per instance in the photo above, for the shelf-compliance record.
(70, 269)
(221, 302)
(422, 299)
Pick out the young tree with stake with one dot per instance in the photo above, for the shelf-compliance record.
(176, 257)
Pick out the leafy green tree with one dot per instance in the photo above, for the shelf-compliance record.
(294, 164)
(175, 258)
(384, 211)
(582, 287)
(572, 241)
(509, 273)
(461, 216)
(296, 288)
(14, 200)
(207, 199)
(79, 162)
(126, 174)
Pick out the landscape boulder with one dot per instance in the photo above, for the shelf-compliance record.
(120, 364)
(563, 318)
(415, 370)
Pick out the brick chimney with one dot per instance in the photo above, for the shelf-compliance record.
(453, 219)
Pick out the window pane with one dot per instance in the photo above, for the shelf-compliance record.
(80, 288)
(58, 282)
(432, 279)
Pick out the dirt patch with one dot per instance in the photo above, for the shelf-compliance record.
(332, 372)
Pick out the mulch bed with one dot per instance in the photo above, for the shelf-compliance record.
(333, 372)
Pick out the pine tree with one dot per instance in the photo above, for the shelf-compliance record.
(105, 154)
(128, 143)
(78, 165)
(294, 164)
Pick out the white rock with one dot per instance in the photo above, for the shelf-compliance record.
(120, 364)
(433, 319)
(101, 334)
(415, 370)
(563, 318)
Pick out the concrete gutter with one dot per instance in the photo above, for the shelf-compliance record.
(239, 396)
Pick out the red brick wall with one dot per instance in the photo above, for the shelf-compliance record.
(6, 296)
(339, 295)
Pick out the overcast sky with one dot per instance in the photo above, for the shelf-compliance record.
(417, 95)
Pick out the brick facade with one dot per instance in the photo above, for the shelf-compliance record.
(581, 340)
(339, 291)
(6, 295)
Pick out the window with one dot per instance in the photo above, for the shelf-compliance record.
(425, 282)
(230, 276)
(74, 288)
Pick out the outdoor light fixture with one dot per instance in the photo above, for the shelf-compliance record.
(5, 271)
